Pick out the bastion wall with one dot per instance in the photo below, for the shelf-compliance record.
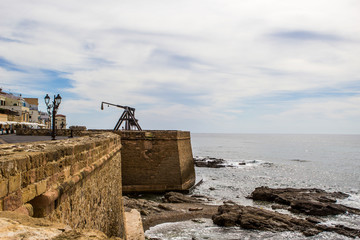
(75, 181)
(156, 161)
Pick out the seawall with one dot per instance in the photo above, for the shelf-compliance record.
(79, 181)
(75, 181)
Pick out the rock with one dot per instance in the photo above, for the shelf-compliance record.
(346, 231)
(144, 212)
(229, 202)
(299, 160)
(198, 196)
(175, 197)
(212, 188)
(201, 198)
(279, 206)
(316, 208)
(265, 220)
(198, 220)
(209, 162)
(313, 220)
(166, 208)
(145, 207)
(312, 201)
(134, 227)
(195, 209)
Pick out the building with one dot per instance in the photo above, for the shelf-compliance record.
(44, 119)
(15, 103)
(3, 117)
(7, 115)
(60, 121)
(33, 105)
(2, 98)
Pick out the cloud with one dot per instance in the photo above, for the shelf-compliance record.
(4, 39)
(185, 63)
(306, 36)
(9, 66)
(308, 110)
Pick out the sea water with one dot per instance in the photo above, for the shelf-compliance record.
(329, 162)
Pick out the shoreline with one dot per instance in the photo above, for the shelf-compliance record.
(179, 212)
(314, 203)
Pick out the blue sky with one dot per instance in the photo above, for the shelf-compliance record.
(250, 66)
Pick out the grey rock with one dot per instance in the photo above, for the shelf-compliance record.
(310, 201)
(248, 217)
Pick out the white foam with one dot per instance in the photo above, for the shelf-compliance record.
(352, 201)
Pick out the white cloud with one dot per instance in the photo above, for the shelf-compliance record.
(203, 59)
(309, 109)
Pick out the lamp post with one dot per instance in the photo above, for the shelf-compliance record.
(52, 109)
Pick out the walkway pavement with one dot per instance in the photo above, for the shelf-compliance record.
(13, 138)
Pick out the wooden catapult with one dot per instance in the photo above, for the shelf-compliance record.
(128, 117)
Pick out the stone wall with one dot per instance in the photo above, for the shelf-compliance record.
(47, 132)
(156, 161)
(74, 181)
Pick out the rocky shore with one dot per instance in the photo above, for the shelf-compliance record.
(174, 207)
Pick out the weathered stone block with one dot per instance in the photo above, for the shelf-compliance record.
(40, 187)
(21, 161)
(40, 173)
(4, 190)
(28, 193)
(8, 168)
(14, 183)
(52, 155)
(28, 177)
(55, 167)
(37, 159)
(28, 163)
(67, 172)
(48, 170)
(69, 160)
(12, 201)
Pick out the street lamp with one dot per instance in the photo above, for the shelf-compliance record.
(52, 109)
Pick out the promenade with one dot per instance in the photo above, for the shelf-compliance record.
(13, 138)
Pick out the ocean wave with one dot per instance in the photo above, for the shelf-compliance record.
(243, 163)
(352, 201)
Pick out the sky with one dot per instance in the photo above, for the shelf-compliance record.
(218, 66)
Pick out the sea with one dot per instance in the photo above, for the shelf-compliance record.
(329, 162)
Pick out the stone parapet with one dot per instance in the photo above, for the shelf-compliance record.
(47, 132)
(74, 181)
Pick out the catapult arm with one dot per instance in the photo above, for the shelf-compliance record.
(116, 105)
(128, 116)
